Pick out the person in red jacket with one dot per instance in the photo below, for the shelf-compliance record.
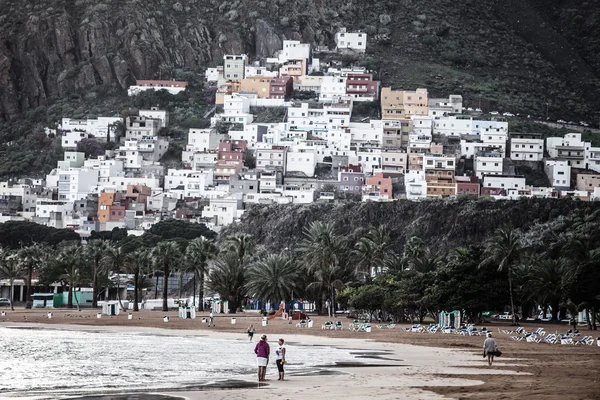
(262, 351)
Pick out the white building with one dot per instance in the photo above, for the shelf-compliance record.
(74, 130)
(155, 113)
(559, 173)
(213, 74)
(236, 109)
(452, 126)
(495, 140)
(106, 167)
(77, 183)
(120, 183)
(71, 159)
(570, 148)
(504, 182)
(468, 148)
(53, 212)
(332, 88)
(481, 127)
(422, 124)
(488, 163)
(173, 87)
(526, 146)
(304, 161)
(592, 157)
(293, 50)
(139, 127)
(443, 107)
(186, 183)
(222, 211)
(257, 70)
(356, 41)
(201, 140)
(271, 157)
(25, 192)
(415, 184)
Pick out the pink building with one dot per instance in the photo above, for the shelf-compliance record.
(281, 88)
(362, 85)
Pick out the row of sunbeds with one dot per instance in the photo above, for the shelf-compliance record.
(540, 336)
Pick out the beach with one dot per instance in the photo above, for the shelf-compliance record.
(395, 364)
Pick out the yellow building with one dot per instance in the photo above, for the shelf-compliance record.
(261, 85)
(398, 104)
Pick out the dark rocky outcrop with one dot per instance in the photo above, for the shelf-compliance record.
(511, 53)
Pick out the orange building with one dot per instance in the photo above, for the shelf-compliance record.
(224, 89)
(109, 206)
(400, 104)
(382, 185)
(259, 85)
(294, 67)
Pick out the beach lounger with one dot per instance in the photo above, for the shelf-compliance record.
(589, 340)
(339, 325)
(328, 325)
(551, 339)
(566, 340)
(517, 338)
(301, 324)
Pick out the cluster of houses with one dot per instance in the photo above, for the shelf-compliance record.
(420, 148)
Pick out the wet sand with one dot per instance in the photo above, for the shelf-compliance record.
(397, 364)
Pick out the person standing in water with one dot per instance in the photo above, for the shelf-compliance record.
(280, 359)
(250, 332)
(262, 351)
(489, 348)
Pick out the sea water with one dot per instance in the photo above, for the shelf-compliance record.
(51, 363)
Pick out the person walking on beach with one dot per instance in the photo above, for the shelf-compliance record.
(490, 347)
(250, 332)
(211, 319)
(262, 351)
(280, 359)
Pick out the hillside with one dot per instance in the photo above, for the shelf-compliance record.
(443, 225)
(512, 55)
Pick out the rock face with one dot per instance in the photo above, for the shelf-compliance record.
(52, 48)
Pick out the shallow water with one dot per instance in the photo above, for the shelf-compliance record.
(50, 363)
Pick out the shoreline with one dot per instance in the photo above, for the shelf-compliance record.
(411, 365)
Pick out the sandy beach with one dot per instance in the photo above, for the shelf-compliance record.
(407, 365)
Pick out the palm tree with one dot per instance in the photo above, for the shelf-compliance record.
(323, 252)
(273, 278)
(505, 249)
(228, 279)
(137, 263)
(94, 252)
(70, 258)
(114, 259)
(373, 250)
(548, 282)
(10, 269)
(240, 243)
(166, 253)
(30, 258)
(198, 252)
(329, 278)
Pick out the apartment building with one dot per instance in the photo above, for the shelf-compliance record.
(559, 173)
(271, 157)
(399, 104)
(361, 86)
(379, 184)
(281, 88)
(259, 85)
(332, 88)
(445, 106)
(355, 41)
(234, 67)
(467, 186)
(140, 127)
(488, 163)
(526, 146)
(505, 182)
(303, 161)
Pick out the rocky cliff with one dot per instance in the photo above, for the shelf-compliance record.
(511, 53)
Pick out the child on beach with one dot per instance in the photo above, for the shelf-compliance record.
(280, 359)
(250, 332)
